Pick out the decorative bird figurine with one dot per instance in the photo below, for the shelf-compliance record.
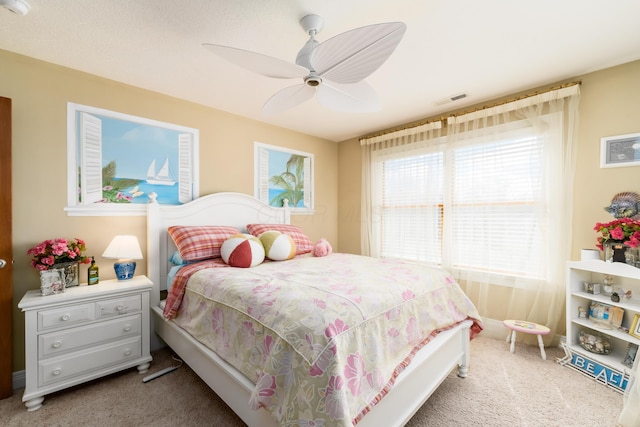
(625, 205)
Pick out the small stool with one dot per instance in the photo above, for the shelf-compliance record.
(527, 328)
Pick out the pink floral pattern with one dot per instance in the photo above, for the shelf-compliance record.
(295, 328)
(354, 372)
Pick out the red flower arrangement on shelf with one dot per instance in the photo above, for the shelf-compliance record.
(50, 252)
(623, 230)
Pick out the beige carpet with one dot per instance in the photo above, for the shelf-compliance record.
(502, 389)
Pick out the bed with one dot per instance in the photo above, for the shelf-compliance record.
(396, 396)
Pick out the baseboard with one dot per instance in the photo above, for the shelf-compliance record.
(19, 379)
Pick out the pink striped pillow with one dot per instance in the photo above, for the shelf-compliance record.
(198, 242)
(302, 241)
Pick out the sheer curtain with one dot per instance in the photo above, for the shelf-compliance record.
(397, 146)
(630, 415)
(497, 187)
(537, 207)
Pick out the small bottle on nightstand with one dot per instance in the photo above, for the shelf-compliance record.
(92, 273)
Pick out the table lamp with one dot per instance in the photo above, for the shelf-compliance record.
(125, 249)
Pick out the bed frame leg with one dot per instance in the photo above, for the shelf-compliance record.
(463, 366)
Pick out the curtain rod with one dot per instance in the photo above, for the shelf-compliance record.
(517, 98)
(484, 107)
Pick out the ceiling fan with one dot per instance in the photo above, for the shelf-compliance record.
(333, 70)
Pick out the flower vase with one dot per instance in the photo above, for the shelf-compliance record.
(619, 252)
(70, 271)
(51, 282)
(632, 257)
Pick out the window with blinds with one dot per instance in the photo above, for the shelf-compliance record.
(475, 205)
(411, 207)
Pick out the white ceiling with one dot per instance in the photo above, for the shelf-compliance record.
(488, 49)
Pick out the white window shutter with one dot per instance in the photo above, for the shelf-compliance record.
(91, 154)
(263, 185)
(185, 168)
(307, 182)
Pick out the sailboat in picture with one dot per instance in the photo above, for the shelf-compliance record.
(162, 177)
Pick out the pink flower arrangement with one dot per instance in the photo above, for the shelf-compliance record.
(55, 251)
(623, 230)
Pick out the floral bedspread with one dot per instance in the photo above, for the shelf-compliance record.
(322, 338)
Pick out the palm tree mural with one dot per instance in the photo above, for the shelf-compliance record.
(291, 181)
(113, 189)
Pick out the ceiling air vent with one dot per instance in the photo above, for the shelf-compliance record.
(452, 98)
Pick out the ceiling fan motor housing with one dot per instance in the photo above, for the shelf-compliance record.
(313, 79)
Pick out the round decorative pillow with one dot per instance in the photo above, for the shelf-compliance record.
(278, 246)
(242, 250)
(322, 248)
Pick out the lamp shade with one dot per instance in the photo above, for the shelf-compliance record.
(125, 249)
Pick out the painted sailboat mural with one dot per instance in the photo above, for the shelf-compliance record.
(162, 177)
(115, 162)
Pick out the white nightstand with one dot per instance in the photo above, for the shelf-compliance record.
(84, 333)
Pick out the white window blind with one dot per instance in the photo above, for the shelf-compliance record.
(411, 206)
(473, 206)
(496, 194)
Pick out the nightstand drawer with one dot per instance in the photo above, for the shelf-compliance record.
(75, 338)
(60, 317)
(118, 306)
(82, 362)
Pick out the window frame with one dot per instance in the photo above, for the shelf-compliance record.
(507, 278)
(75, 162)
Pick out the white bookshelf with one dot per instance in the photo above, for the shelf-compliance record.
(625, 277)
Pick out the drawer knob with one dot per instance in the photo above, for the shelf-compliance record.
(127, 352)
(120, 307)
(65, 317)
(56, 344)
(127, 328)
(57, 371)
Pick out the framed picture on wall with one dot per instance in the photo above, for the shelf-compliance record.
(620, 150)
(282, 173)
(635, 326)
(117, 163)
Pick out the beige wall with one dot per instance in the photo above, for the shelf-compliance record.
(610, 105)
(40, 92)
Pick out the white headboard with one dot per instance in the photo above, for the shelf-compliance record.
(235, 209)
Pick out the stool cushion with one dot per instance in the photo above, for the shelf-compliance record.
(526, 327)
